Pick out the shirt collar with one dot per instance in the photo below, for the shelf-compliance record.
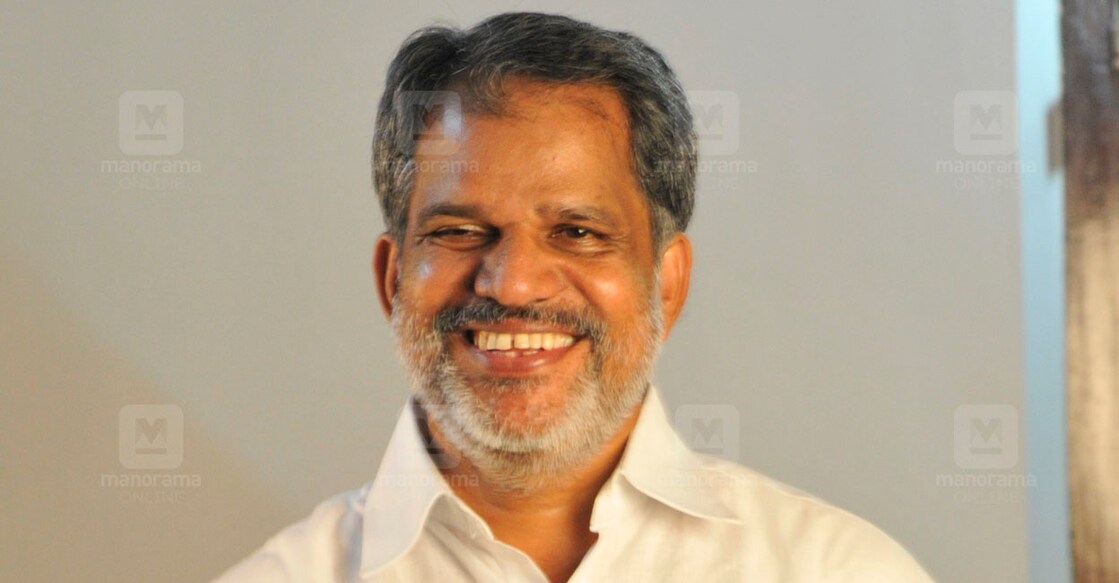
(408, 484)
(406, 488)
(659, 465)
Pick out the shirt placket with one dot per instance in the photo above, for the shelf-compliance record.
(504, 562)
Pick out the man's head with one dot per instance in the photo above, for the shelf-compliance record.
(535, 174)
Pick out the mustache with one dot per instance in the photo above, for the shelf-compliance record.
(487, 311)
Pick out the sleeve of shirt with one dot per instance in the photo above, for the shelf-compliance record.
(324, 547)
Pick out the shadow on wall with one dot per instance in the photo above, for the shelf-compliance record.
(71, 510)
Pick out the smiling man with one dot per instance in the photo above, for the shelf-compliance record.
(536, 176)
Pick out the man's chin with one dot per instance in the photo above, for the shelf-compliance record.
(521, 410)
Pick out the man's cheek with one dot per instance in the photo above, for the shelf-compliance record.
(416, 283)
(439, 270)
(420, 269)
(615, 286)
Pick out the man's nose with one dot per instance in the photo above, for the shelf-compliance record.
(518, 271)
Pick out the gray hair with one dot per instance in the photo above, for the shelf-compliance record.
(549, 48)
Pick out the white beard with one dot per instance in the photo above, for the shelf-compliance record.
(596, 404)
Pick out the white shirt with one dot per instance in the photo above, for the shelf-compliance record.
(666, 514)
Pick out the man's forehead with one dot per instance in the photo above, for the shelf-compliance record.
(580, 128)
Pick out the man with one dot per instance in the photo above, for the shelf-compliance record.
(536, 175)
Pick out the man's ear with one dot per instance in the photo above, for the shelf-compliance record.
(676, 273)
(385, 270)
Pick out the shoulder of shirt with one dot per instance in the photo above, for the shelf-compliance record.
(841, 545)
(814, 534)
(328, 541)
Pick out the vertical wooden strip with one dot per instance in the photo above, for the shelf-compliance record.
(1091, 107)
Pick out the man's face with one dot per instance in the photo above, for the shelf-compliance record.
(525, 292)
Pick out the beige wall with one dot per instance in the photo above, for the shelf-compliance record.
(847, 296)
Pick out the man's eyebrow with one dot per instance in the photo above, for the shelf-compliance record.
(588, 213)
(447, 209)
(581, 213)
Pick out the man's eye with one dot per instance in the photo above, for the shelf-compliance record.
(455, 232)
(578, 232)
(457, 236)
(458, 233)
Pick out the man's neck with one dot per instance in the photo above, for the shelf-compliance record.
(548, 520)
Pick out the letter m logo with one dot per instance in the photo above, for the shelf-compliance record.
(150, 437)
(149, 431)
(437, 121)
(709, 429)
(986, 437)
(151, 123)
(716, 115)
(707, 435)
(986, 123)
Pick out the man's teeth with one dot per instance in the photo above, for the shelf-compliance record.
(536, 341)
